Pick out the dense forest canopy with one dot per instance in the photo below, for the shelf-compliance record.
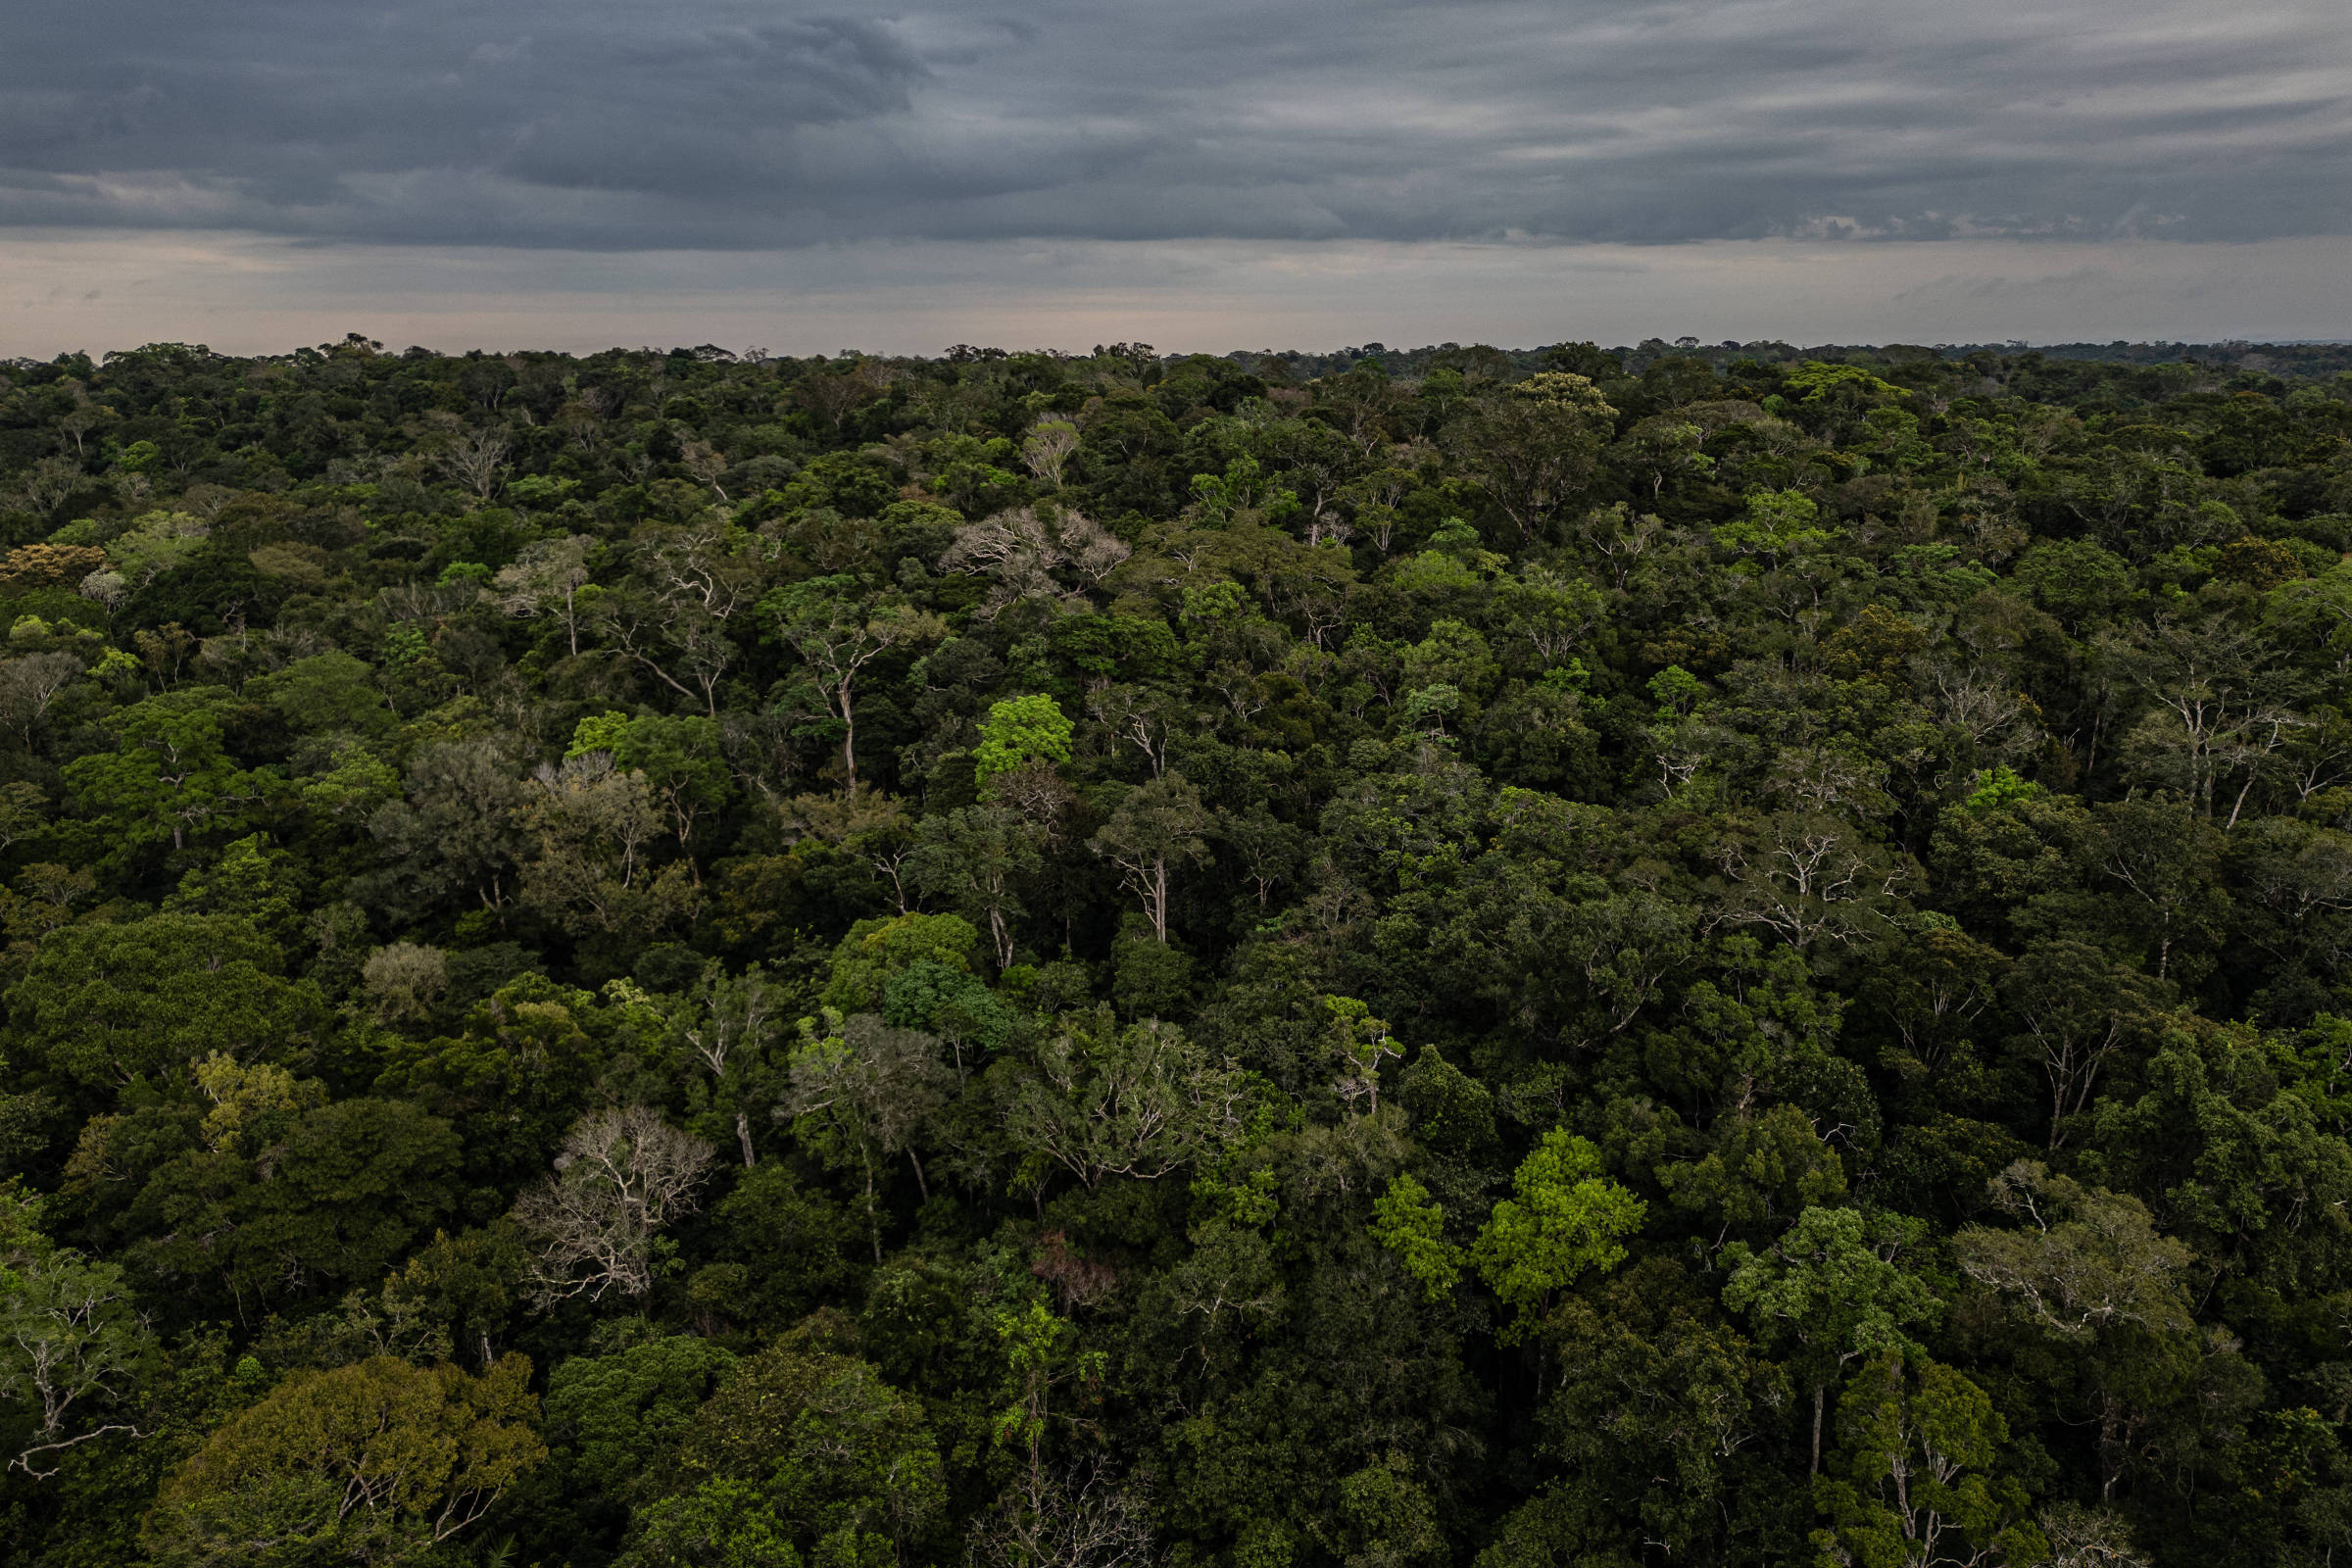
(1696, 954)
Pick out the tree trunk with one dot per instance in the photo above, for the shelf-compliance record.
(873, 1212)
(742, 1136)
(849, 739)
(2111, 1465)
(2240, 806)
(1820, 1397)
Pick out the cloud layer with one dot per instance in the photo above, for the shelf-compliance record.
(722, 124)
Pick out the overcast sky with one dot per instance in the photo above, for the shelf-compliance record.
(1225, 174)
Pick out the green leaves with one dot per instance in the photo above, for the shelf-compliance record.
(73, 1347)
(1779, 524)
(876, 951)
(837, 631)
(1999, 786)
(1763, 1169)
(1019, 731)
(1360, 1042)
(2084, 1261)
(1916, 1483)
(1821, 784)
(303, 1202)
(1828, 1288)
(1409, 1225)
(721, 1524)
(1818, 379)
(979, 857)
(1156, 827)
(168, 777)
(1452, 1113)
(104, 1004)
(1138, 1102)
(1566, 1220)
(615, 1419)
(597, 732)
(678, 758)
(380, 1461)
(1040, 1353)
(834, 1455)
(1533, 449)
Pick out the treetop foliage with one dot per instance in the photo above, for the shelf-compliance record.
(1689, 954)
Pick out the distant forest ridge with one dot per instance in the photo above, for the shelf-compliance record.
(2318, 358)
(2295, 359)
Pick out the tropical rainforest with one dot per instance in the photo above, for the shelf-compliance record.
(1692, 954)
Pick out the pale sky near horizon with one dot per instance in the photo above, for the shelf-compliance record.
(261, 173)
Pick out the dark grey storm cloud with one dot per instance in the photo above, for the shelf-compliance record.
(721, 124)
